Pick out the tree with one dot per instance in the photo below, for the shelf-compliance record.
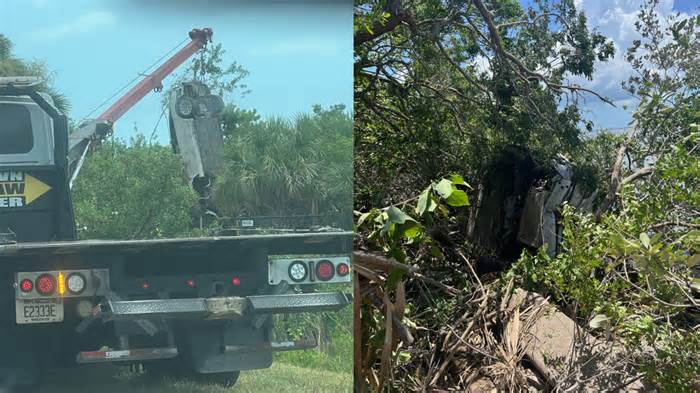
(446, 86)
(464, 78)
(666, 81)
(134, 190)
(13, 66)
(279, 167)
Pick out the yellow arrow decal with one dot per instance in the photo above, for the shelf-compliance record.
(34, 188)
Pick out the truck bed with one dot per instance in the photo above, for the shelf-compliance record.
(274, 242)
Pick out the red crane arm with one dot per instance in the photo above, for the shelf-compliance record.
(93, 131)
(199, 38)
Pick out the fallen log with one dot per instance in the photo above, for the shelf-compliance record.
(571, 358)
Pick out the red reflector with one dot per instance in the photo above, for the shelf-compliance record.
(325, 270)
(145, 285)
(26, 285)
(236, 281)
(343, 269)
(190, 283)
(46, 284)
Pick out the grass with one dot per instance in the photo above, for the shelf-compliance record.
(280, 378)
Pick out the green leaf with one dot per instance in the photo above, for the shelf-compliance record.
(410, 230)
(395, 275)
(681, 24)
(457, 179)
(599, 321)
(363, 218)
(423, 201)
(458, 198)
(399, 224)
(444, 188)
(397, 216)
(644, 238)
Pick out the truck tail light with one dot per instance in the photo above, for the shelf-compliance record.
(61, 283)
(325, 270)
(26, 285)
(76, 283)
(46, 284)
(342, 269)
(145, 285)
(190, 283)
(236, 282)
(298, 271)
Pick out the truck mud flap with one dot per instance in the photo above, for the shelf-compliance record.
(222, 308)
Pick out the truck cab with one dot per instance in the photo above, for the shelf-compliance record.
(34, 200)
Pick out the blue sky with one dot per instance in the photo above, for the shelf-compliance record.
(615, 19)
(298, 53)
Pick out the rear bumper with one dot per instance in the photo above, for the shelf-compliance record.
(222, 307)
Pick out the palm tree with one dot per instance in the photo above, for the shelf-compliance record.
(280, 167)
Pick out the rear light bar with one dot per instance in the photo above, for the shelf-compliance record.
(62, 283)
(308, 269)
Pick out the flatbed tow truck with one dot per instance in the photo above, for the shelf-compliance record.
(195, 306)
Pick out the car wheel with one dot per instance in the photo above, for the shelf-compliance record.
(185, 107)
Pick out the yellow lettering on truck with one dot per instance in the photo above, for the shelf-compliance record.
(19, 189)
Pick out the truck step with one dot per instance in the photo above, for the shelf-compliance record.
(223, 307)
(126, 355)
(274, 346)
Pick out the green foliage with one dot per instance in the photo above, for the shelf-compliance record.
(391, 228)
(223, 80)
(632, 273)
(278, 167)
(338, 359)
(133, 190)
(431, 97)
(333, 330)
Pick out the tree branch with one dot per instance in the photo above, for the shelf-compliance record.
(525, 73)
(615, 174)
(637, 174)
(397, 16)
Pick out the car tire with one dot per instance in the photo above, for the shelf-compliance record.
(185, 107)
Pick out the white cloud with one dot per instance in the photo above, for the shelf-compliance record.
(482, 65)
(82, 24)
(615, 19)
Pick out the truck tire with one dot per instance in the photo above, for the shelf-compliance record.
(177, 369)
(227, 379)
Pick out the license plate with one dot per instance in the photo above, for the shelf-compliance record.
(39, 310)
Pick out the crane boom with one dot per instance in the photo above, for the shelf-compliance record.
(153, 81)
(93, 131)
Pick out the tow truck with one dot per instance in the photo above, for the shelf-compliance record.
(198, 306)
